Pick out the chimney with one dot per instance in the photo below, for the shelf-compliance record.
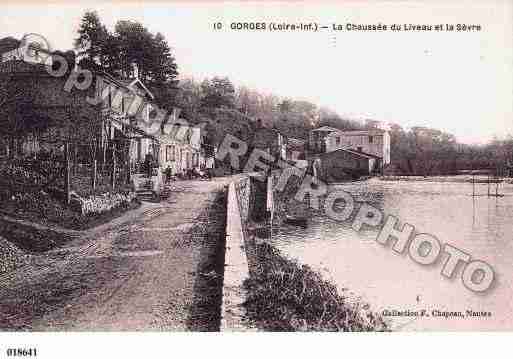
(135, 70)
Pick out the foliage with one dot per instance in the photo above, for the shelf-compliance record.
(188, 99)
(286, 296)
(130, 51)
(294, 118)
(217, 92)
(17, 110)
(96, 46)
(427, 151)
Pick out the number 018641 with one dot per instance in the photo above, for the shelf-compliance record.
(21, 352)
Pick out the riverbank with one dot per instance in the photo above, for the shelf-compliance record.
(284, 295)
(443, 179)
(275, 292)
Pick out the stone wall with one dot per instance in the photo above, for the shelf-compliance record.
(243, 192)
(236, 269)
(101, 203)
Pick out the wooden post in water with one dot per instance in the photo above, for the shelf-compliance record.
(488, 183)
(67, 179)
(473, 184)
(497, 181)
(473, 175)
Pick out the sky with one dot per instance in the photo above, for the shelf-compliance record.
(459, 82)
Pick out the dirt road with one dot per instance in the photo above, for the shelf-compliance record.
(158, 269)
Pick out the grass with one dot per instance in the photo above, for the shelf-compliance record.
(209, 234)
(286, 296)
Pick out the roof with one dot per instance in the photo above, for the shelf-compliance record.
(326, 129)
(20, 66)
(353, 152)
(8, 44)
(296, 141)
(131, 83)
(372, 132)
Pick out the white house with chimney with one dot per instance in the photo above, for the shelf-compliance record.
(373, 141)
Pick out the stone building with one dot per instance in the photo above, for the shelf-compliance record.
(374, 141)
(343, 164)
(182, 148)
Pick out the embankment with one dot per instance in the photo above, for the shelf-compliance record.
(263, 290)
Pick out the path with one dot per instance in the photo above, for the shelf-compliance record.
(156, 270)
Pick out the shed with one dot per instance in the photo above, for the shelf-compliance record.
(346, 163)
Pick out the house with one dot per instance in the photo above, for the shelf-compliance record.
(373, 141)
(182, 148)
(8, 46)
(317, 138)
(31, 49)
(345, 163)
(126, 111)
(110, 123)
(52, 116)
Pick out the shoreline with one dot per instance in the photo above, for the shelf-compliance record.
(285, 295)
(480, 179)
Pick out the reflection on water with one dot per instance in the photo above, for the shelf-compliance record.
(481, 226)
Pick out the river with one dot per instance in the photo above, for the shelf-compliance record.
(481, 226)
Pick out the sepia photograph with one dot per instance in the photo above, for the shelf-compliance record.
(253, 167)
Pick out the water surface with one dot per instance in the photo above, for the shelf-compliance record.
(482, 226)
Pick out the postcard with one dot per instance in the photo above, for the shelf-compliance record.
(255, 167)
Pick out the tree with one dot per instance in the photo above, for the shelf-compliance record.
(285, 105)
(162, 72)
(217, 92)
(97, 47)
(188, 98)
(131, 51)
(328, 117)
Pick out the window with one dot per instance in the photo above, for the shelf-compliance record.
(170, 153)
(370, 139)
(139, 150)
(337, 140)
